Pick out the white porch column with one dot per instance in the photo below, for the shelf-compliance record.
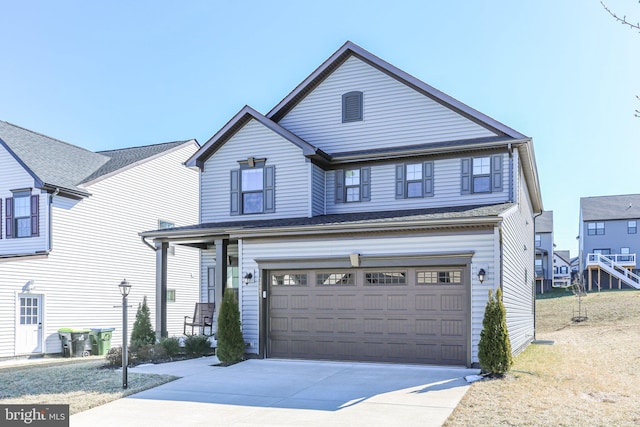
(161, 289)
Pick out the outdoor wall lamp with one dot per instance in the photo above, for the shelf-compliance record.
(247, 278)
(481, 275)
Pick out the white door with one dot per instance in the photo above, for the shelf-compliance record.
(29, 325)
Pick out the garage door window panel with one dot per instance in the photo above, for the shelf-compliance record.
(288, 279)
(385, 278)
(335, 279)
(433, 277)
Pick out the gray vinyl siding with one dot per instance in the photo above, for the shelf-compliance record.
(96, 244)
(446, 190)
(255, 140)
(615, 237)
(393, 113)
(482, 244)
(318, 190)
(518, 271)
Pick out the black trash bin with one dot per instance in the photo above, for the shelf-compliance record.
(75, 342)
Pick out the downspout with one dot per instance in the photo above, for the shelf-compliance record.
(153, 248)
(534, 274)
(511, 183)
(50, 236)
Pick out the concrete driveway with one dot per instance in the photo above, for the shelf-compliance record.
(288, 393)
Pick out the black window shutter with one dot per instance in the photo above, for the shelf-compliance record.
(35, 213)
(400, 184)
(496, 173)
(235, 192)
(340, 186)
(465, 177)
(352, 106)
(8, 207)
(365, 184)
(427, 172)
(269, 189)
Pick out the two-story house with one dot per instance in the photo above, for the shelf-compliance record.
(544, 251)
(561, 268)
(365, 217)
(609, 240)
(69, 224)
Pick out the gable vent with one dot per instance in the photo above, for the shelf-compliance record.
(352, 107)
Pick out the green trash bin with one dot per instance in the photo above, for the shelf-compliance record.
(75, 342)
(101, 340)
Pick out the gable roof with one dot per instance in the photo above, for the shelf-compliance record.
(236, 123)
(55, 164)
(128, 157)
(610, 207)
(351, 49)
(564, 255)
(544, 222)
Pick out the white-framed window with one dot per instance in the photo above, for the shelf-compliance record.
(162, 224)
(632, 227)
(171, 295)
(352, 185)
(252, 182)
(538, 240)
(595, 228)
(22, 214)
(414, 180)
(481, 175)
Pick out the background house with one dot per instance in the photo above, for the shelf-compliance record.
(609, 240)
(69, 235)
(365, 217)
(561, 268)
(544, 251)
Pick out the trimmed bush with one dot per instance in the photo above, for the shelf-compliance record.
(114, 356)
(197, 345)
(494, 349)
(171, 346)
(142, 330)
(230, 341)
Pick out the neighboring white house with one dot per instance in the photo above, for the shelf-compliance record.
(561, 268)
(365, 217)
(69, 224)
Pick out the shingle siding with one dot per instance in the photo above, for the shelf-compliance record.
(394, 114)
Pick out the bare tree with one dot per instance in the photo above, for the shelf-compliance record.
(622, 20)
(631, 25)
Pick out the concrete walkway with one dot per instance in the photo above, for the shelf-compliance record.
(288, 393)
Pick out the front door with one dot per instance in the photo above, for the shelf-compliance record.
(29, 325)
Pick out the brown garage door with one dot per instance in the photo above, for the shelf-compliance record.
(411, 315)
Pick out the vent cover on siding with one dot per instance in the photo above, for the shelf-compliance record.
(352, 107)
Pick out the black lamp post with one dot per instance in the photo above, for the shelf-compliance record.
(125, 287)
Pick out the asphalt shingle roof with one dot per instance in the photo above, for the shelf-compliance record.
(57, 164)
(610, 207)
(544, 222)
(364, 218)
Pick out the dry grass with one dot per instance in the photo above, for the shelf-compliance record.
(589, 377)
(82, 385)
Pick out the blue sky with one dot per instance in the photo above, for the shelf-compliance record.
(104, 75)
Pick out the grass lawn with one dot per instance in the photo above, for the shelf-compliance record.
(81, 384)
(589, 377)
